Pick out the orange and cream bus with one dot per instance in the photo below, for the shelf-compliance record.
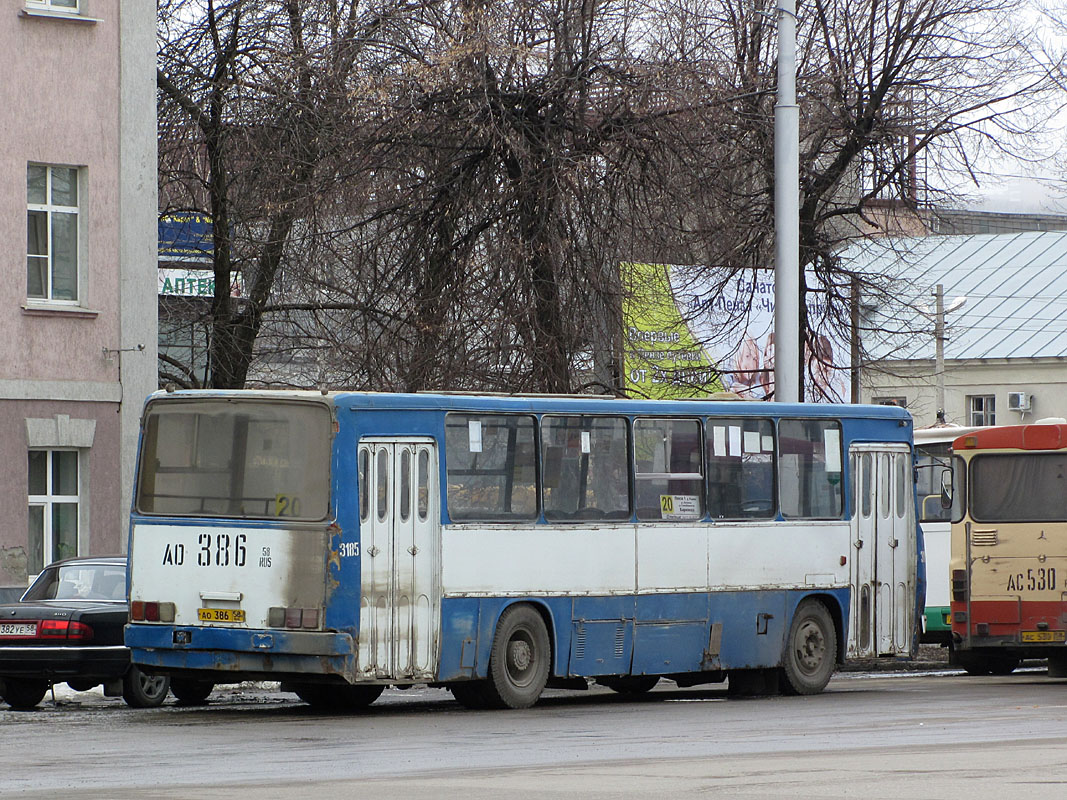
(1009, 549)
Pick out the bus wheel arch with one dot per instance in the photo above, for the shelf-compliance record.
(811, 648)
(520, 658)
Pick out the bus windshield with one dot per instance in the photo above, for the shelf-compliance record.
(1023, 487)
(231, 458)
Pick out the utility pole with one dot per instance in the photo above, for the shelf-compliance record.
(939, 349)
(787, 212)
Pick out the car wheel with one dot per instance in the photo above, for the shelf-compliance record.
(191, 692)
(22, 694)
(82, 686)
(144, 691)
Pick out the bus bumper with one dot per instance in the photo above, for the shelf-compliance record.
(265, 654)
(937, 625)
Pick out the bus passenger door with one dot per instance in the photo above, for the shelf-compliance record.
(883, 564)
(400, 559)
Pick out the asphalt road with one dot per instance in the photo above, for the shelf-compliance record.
(930, 735)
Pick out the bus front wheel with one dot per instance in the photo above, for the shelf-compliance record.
(810, 650)
(519, 659)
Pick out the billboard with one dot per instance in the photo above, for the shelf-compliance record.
(186, 236)
(691, 331)
(662, 357)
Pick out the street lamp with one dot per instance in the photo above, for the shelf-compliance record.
(939, 343)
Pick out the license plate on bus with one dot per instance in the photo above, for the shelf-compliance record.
(1044, 636)
(220, 615)
(18, 628)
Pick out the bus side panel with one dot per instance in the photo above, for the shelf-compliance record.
(601, 637)
(671, 634)
(468, 626)
(460, 636)
(753, 628)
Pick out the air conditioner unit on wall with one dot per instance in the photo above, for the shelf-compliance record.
(1020, 401)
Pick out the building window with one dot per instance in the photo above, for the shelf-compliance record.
(53, 506)
(64, 6)
(899, 402)
(982, 409)
(52, 223)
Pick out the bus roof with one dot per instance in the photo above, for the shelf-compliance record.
(1015, 437)
(547, 403)
(938, 434)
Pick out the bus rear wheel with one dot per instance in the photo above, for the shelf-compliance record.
(333, 697)
(810, 650)
(191, 692)
(630, 684)
(987, 665)
(519, 659)
(470, 694)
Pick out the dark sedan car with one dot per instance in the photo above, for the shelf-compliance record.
(68, 628)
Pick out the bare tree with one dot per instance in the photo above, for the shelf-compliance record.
(253, 101)
(439, 194)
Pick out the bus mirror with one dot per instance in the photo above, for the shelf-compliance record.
(946, 489)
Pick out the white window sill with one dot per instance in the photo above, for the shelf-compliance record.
(67, 16)
(45, 309)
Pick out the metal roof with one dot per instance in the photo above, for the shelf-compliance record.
(1015, 287)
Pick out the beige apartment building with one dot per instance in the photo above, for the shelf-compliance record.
(1004, 335)
(78, 305)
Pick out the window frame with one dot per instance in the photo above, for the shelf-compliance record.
(483, 515)
(50, 209)
(985, 415)
(669, 475)
(53, 7)
(761, 422)
(47, 503)
(551, 517)
(828, 423)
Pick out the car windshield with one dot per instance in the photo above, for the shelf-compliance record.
(79, 582)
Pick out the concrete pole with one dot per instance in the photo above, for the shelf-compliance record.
(787, 364)
(939, 349)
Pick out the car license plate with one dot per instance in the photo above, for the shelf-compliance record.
(1045, 636)
(18, 628)
(220, 615)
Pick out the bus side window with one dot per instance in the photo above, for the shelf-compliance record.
(668, 469)
(740, 456)
(809, 472)
(584, 468)
(491, 467)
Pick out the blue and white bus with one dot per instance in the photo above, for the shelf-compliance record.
(496, 545)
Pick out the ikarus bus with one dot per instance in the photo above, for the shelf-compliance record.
(1009, 549)
(495, 545)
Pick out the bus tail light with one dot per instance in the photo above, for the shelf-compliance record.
(293, 617)
(959, 585)
(151, 611)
